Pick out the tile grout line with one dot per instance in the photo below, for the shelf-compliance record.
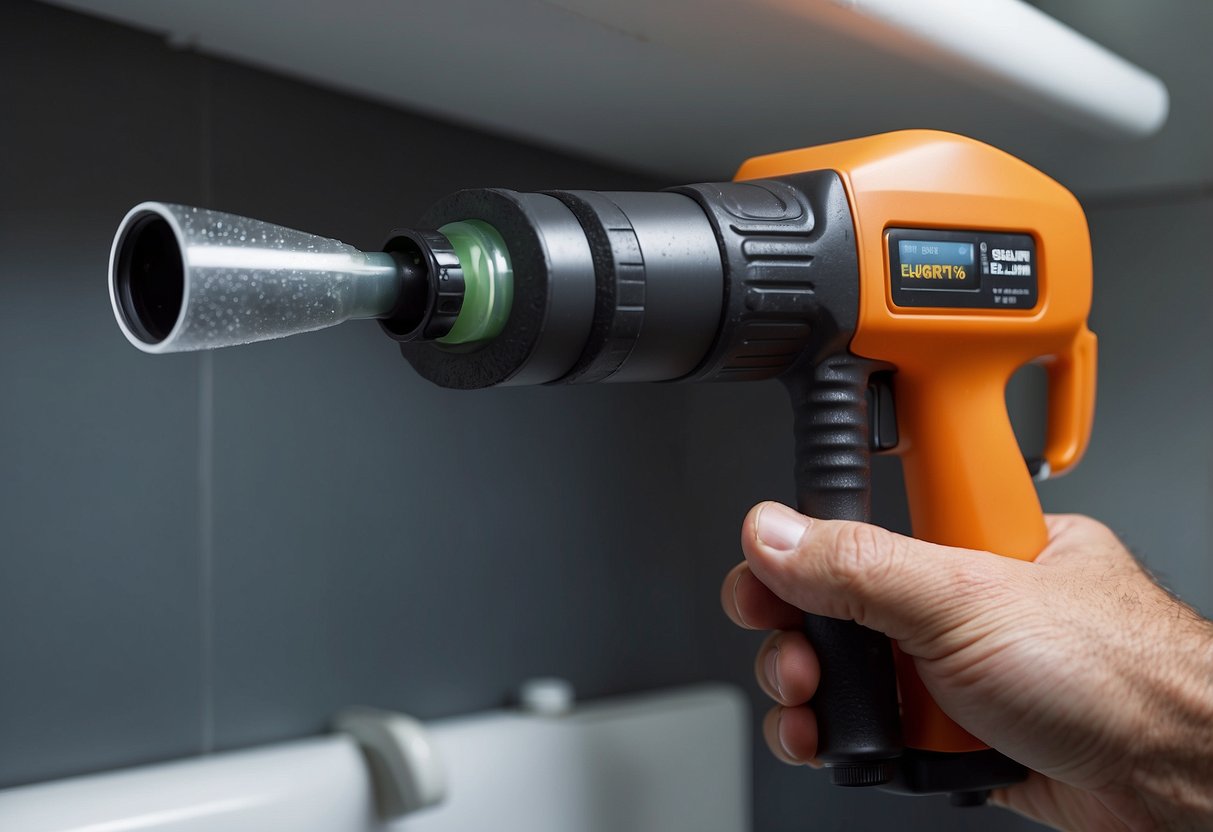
(206, 464)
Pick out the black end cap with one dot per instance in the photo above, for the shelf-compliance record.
(862, 774)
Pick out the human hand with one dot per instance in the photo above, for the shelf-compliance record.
(1076, 665)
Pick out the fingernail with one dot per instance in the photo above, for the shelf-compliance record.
(736, 605)
(771, 668)
(780, 528)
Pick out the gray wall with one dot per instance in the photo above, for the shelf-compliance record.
(209, 552)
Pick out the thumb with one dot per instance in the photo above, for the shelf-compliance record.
(918, 593)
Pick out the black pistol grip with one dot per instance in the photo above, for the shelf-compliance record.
(858, 718)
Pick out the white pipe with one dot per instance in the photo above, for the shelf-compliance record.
(316, 784)
(672, 760)
(1011, 48)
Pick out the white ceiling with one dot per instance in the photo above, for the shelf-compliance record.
(686, 89)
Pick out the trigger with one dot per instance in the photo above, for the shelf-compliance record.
(882, 416)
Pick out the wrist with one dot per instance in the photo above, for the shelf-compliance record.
(1172, 775)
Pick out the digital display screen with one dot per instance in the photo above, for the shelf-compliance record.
(944, 268)
(937, 264)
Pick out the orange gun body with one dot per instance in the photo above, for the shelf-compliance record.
(967, 482)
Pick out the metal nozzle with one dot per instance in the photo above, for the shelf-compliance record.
(185, 278)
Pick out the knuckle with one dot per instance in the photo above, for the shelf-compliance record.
(1081, 528)
(1090, 527)
(857, 554)
(978, 586)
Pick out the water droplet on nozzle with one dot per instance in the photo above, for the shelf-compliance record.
(184, 278)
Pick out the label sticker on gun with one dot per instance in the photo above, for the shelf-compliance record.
(931, 268)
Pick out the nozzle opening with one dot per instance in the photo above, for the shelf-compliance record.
(149, 279)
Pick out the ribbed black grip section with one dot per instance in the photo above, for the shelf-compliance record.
(858, 720)
(788, 246)
(833, 457)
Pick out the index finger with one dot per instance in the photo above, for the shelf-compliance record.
(751, 605)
